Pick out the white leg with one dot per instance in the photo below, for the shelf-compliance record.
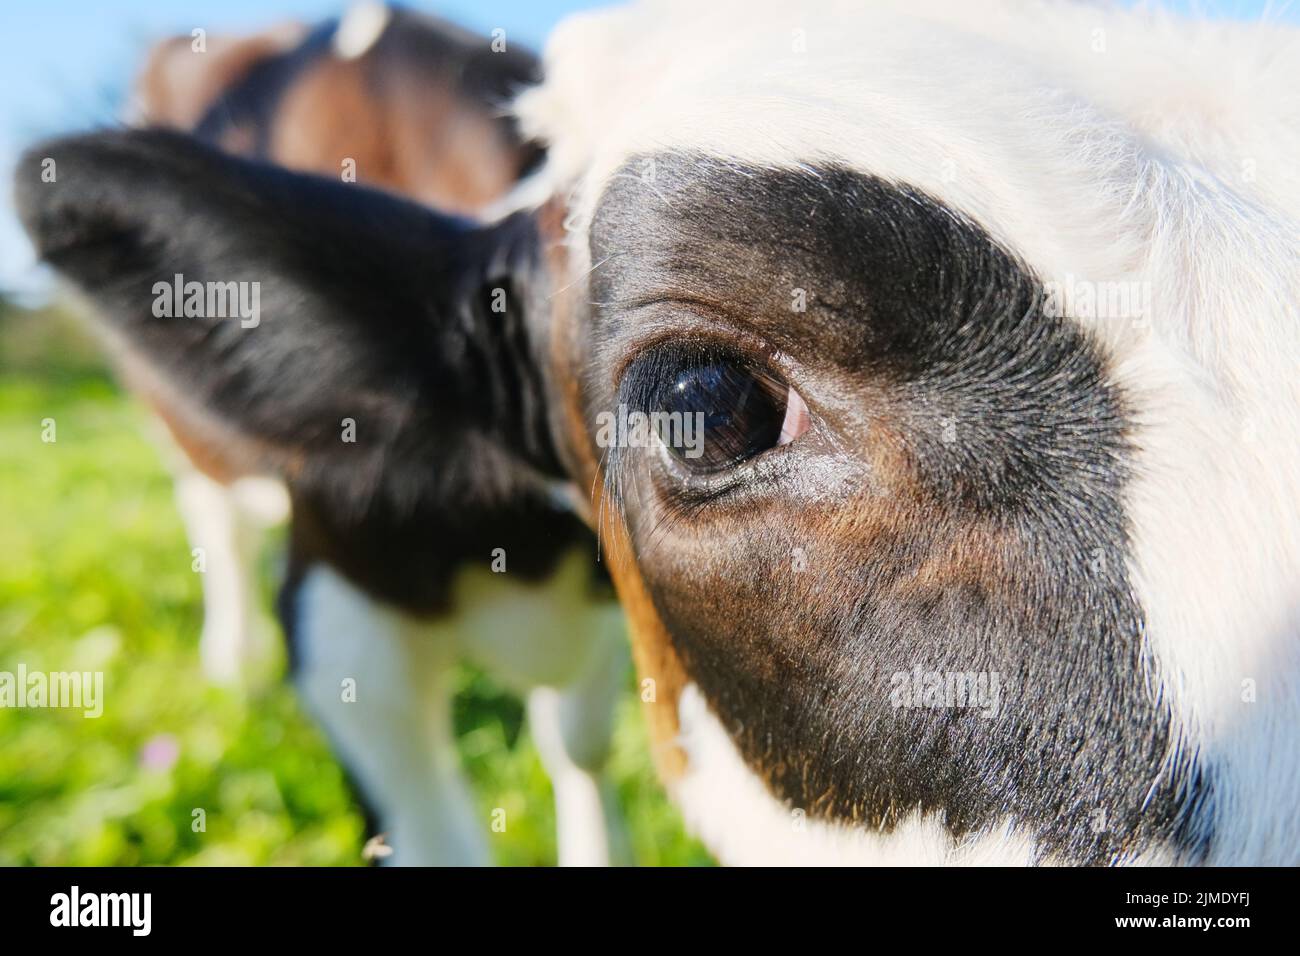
(261, 501)
(226, 560)
(569, 653)
(573, 728)
(379, 684)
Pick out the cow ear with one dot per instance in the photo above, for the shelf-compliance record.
(349, 338)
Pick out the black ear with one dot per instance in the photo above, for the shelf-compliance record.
(411, 325)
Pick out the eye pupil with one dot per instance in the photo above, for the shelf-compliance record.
(736, 413)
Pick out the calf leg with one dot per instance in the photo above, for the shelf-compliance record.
(379, 683)
(573, 728)
(564, 648)
(225, 525)
(224, 554)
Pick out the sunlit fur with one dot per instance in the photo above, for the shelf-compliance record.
(1099, 145)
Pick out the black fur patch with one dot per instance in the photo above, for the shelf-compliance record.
(991, 540)
(374, 311)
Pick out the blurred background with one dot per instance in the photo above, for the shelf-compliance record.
(94, 562)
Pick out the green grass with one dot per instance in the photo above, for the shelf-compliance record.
(95, 575)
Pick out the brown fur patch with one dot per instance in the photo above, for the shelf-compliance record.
(178, 84)
(405, 134)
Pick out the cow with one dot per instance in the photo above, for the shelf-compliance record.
(416, 106)
(967, 557)
(383, 96)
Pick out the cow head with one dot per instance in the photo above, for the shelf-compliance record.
(929, 555)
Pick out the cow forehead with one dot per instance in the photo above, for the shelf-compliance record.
(989, 107)
(1072, 134)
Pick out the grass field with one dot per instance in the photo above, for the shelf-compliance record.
(95, 575)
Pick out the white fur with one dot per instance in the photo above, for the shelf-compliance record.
(569, 655)
(396, 737)
(1098, 143)
(225, 523)
(360, 28)
(588, 826)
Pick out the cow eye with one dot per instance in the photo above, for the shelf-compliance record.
(719, 412)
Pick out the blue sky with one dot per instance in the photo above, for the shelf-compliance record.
(64, 64)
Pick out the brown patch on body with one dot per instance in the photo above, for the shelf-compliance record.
(328, 116)
(420, 140)
(450, 153)
(178, 84)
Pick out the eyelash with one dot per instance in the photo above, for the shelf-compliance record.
(641, 373)
(641, 379)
